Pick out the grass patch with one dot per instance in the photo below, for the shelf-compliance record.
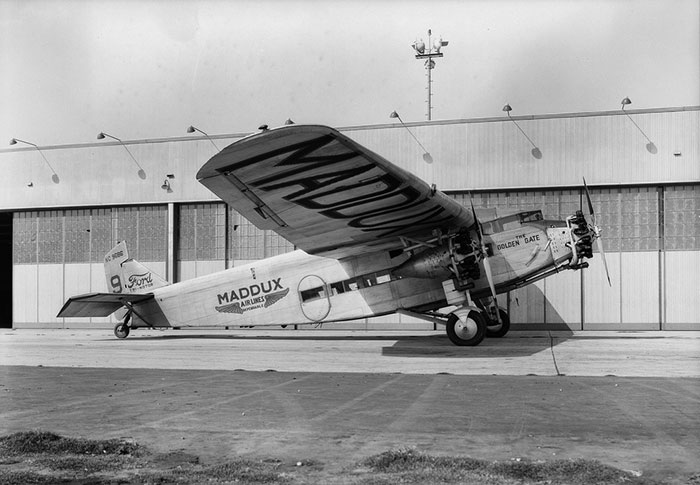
(41, 458)
(411, 466)
(46, 442)
(245, 471)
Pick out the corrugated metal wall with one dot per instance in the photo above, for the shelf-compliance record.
(651, 235)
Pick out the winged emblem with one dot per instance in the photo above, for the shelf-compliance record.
(230, 308)
(273, 298)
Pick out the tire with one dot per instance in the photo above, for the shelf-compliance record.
(466, 328)
(121, 330)
(496, 330)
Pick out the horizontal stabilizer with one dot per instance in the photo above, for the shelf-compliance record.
(99, 304)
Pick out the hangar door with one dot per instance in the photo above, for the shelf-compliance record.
(6, 269)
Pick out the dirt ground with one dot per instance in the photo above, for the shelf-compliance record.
(644, 424)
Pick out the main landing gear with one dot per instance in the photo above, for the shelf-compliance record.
(466, 327)
(495, 327)
(121, 329)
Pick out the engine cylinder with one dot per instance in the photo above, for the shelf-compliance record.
(431, 263)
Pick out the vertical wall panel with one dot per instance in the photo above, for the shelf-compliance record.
(527, 304)
(77, 235)
(98, 284)
(563, 299)
(208, 267)
(639, 282)
(601, 310)
(682, 290)
(24, 293)
(24, 238)
(77, 281)
(186, 270)
(50, 293)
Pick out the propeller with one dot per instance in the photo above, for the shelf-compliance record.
(487, 262)
(596, 231)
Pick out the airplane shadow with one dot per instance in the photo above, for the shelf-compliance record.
(286, 337)
(514, 344)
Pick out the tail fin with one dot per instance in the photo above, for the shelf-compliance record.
(125, 275)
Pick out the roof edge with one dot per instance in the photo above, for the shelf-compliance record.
(455, 121)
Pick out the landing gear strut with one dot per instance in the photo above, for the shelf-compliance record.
(466, 327)
(496, 329)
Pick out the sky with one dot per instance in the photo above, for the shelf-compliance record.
(149, 69)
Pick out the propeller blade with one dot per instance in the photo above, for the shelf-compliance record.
(588, 198)
(596, 231)
(599, 243)
(476, 220)
(487, 262)
(489, 278)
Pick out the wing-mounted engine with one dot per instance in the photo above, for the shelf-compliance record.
(456, 257)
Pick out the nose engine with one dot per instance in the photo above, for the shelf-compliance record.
(581, 239)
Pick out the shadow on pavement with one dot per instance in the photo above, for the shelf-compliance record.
(515, 344)
(512, 345)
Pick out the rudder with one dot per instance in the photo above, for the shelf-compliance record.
(125, 275)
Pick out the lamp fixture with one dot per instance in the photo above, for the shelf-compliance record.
(651, 148)
(166, 183)
(54, 177)
(102, 135)
(427, 158)
(192, 129)
(536, 152)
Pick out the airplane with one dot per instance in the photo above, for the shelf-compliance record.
(372, 239)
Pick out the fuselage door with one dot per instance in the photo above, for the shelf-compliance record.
(314, 298)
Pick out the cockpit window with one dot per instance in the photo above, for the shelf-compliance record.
(531, 216)
(509, 222)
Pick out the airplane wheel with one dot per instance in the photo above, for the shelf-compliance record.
(498, 330)
(121, 330)
(466, 328)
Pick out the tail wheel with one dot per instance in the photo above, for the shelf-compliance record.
(466, 328)
(498, 330)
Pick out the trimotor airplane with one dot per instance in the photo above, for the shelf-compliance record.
(372, 239)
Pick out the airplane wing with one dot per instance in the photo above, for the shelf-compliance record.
(326, 193)
(99, 304)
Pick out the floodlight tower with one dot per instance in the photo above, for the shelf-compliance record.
(433, 50)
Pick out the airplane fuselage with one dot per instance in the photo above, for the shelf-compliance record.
(298, 288)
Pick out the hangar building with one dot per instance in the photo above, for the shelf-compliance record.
(63, 207)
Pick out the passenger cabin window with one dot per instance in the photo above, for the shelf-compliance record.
(353, 284)
(313, 294)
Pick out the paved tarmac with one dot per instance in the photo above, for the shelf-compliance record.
(628, 399)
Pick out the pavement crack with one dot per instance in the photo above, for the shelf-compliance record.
(554, 357)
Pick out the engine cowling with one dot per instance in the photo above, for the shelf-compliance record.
(457, 257)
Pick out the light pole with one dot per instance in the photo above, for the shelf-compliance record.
(536, 152)
(433, 50)
(192, 129)
(102, 135)
(651, 148)
(54, 177)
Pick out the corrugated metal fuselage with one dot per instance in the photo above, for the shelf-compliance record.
(298, 288)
